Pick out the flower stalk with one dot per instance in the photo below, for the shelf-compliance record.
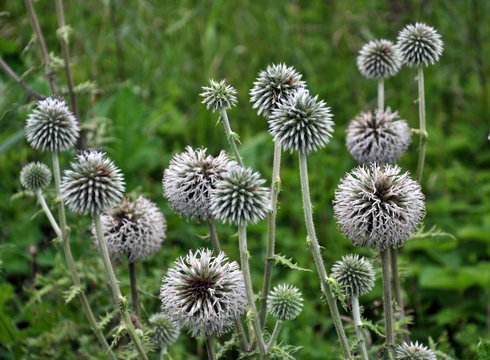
(210, 348)
(356, 313)
(387, 306)
(231, 136)
(423, 131)
(381, 93)
(275, 334)
(135, 310)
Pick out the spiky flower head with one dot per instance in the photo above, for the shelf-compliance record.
(379, 207)
(414, 351)
(301, 122)
(239, 197)
(165, 331)
(133, 230)
(380, 137)
(285, 302)
(93, 185)
(189, 179)
(276, 83)
(35, 176)
(355, 274)
(379, 59)
(52, 126)
(219, 95)
(419, 44)
(204, 293)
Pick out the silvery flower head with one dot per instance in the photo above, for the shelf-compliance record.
(189, 179)
(52, 126)
(379, 207)
(93, 185)
(355, 274)
(219, 95)
(301, 122)
(204, 293)
(380, 137)
(35, 176)
(414, 351)
(165, 331)
(239, 197)
(285, 302)
(419, 44)
(276, 83)
(379, 59)
(133, 230)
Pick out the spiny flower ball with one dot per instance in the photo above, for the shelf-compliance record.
(219, 95)
(414, 351)
(301, 122)
(133, 230)
(274, 84)
(204, 293)
(355, 274)
(239, 197)
(380, 137)
(379, 207)
(165, 331)
(419, 44)
(35, 176)
(189, 179)
(93, 185)
(285, 302)
(379, 59)
(52, 126)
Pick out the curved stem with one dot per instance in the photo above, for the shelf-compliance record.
(210, 347)
(423, 131)
(48, 213)
(381, 94)
(356, 313)
(230, 135)
(275, 334)
(135, 309)
(388, 311)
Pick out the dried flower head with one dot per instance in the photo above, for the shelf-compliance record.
(35, 176)
(379, 59)
(165, 331)
(419, 44)
(414, 351)
(380, 137)
(377, 206)
(355, 274)
(285, 302)
(219, 95)
(204, 293)
(93, 185)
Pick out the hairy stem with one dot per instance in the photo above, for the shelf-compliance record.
(423, 131)
(388, 311)
(10, 73)
(275, 334)
(48, 213)
(397, 291)
(356, 313)
(381, 93)
(135, 309)
(210, 347)
(230, 135)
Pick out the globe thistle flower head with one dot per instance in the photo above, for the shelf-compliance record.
(165, 331)
(274, 84)
(301, 123)
(239, 197)
(380, 137)
(52, 126)
(219, 95)
(285, 302)
(35, 176)
(93, 185)
(379, 59)
(419, 44)
(379, 207)
(355, 274)
(414, 351)
(204, 293)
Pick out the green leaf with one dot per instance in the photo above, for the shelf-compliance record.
(70, 294)
(284, 261)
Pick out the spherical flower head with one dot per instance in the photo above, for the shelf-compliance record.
(219, 95)
(204, 293)
(52, 126)
(285, 302)
(133, 230)
(379, 207)
(414, 351)
(380, 137)
(189, 179)
(301, 122)
(165, 331)
(93, 185)
(379, 59)
(355, 274)
(35, 176)
(239, 197)
(276, 83)
(419, 44)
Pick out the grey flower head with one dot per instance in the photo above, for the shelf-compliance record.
(380, 137)
(419, 44)
(165, 331)
(219, 95)
(133, 230)
(379, 207)
(35, 176)
(189, 179)
(93, 185)
(414, 351)
(379, 59)
(285, 302)
(52, 126)
(276, 83)
(301, 122)
(239, 197)
(204, 293)
(355, 274)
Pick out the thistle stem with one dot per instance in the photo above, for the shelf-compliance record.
(381, 93)
(229, 135)
(395, 279)
(210, 347)
(10, 73)
(388, 312)
(48, 213)
(275, 334)
(356, 313)
(134, 292)
(423, 131)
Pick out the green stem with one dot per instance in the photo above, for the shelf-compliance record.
(275, 334)
(388, 311)
(135, 309)
(397, 291)
(210, 347)
(230, 135)
(423, 131)
(213, 234)
(356, 313)
(48, 213)
(381, 94)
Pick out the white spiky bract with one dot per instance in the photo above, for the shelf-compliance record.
(218, 95)
(204, 293)
(419, 44)
(52, 126)
(165, 331)
(285, 302)
(414, 351)
(379, 207)
(380, 137)
(93, 185)
(379, 59)
(35, 176)
(355, 274)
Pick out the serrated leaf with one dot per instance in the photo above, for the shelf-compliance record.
(104, 320)
(284, 261)
(369, 325)
(70, 294)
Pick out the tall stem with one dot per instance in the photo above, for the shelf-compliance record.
(230, 135)
(10, 73)
(135, 309)
(423, 131)
(48, 213)
(210, 347)
(275, 334)
(381, 93)
(315, 250)
(356, 313)
(388, 311)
